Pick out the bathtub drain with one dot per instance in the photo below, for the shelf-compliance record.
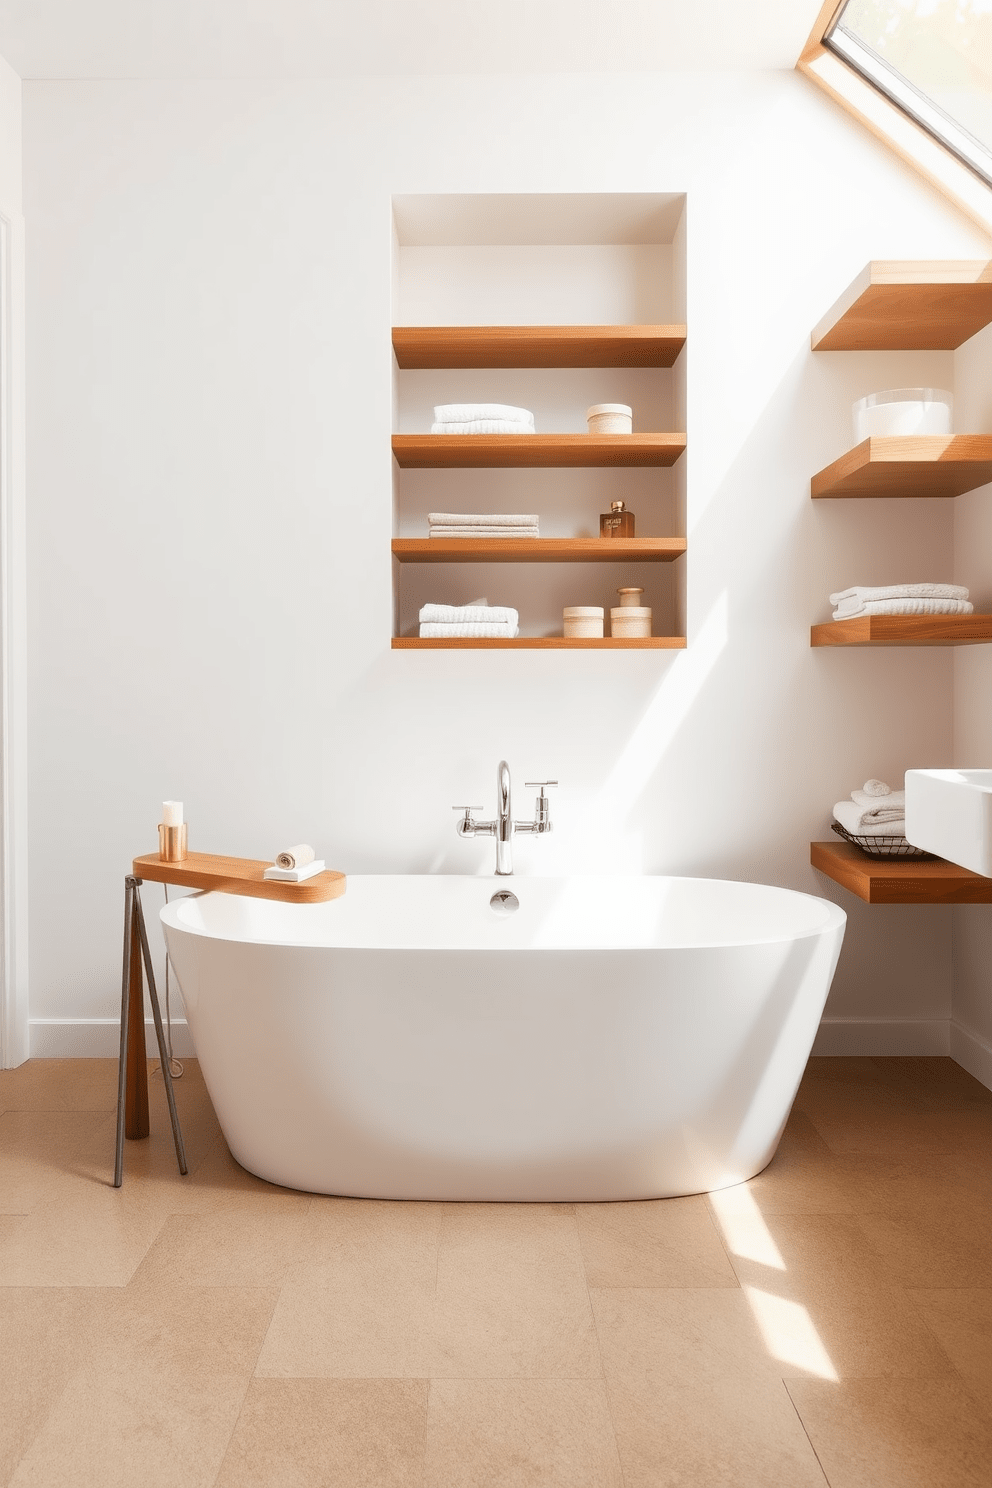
(503, 902)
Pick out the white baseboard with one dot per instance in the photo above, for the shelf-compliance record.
(972, 1053)
(883, 1036)
(98, 1038)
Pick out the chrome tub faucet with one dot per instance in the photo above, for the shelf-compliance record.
(504, 826)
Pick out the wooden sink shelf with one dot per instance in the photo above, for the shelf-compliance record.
(534, 451)
(921, 465)
(538, 549)
(899, 880)
(537, 346)
(904, 630)
(909, 305)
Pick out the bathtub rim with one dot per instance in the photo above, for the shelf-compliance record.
(834, 917)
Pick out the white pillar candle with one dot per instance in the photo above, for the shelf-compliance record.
(172, 813)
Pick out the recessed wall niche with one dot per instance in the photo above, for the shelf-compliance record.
(564, 260)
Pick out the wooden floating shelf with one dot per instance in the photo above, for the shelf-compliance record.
(238, 876)
(918, 465)
(904, 630)
(536, 643)
(909, 306)
(538, 549)
(899, 880)
(538, 346)
(504, 451)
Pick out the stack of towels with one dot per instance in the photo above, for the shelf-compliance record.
(493, 524)
(480, 618)
(481, 418)
(873, 811)
(902, 599)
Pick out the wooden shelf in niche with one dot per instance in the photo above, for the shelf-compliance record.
(893, 305)
(534, 451)
(538, 549)
(904, 630)
(428, 347)
(921, 465)
(536, 643)
(899, 880)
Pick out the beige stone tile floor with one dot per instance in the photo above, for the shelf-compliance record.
(828, 1323)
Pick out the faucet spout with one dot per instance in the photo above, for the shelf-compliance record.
(504, 820)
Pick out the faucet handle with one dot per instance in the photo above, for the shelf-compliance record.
(539, 784)
(466, 809)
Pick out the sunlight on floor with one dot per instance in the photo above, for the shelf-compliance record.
(789, 1333)
(786, 1327)
(743, 1228)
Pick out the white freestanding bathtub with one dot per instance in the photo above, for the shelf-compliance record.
(614, 1038)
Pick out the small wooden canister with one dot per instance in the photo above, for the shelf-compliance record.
(610, 418)
(630, 622)
(583, 622)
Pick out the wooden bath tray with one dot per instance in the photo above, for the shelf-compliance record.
(238, 876)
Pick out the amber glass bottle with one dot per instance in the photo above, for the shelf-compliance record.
(617, 522)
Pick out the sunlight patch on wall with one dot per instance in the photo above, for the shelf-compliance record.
(602, 834)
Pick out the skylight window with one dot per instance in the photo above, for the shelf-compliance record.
(933, 60)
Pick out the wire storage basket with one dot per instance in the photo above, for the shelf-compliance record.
(880, 846)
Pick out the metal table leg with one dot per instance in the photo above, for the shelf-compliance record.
(132, 1080)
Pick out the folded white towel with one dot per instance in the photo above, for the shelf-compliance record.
(484, 532)
(443, 632)
(484, 426)
(296, 857)
(900, 591)
(485, 519)
(894, 801)
(467, 413)
(471, 614)
(294, 875)
(857, 821)
(851, 610)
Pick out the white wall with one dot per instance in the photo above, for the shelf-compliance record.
(10, 138)
(972, 1012)
(14, 992)
(210, 506)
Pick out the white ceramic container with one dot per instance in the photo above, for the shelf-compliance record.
(582, 622)
(610, 418)
(613, 1038)
(903, 411)
(630, 622)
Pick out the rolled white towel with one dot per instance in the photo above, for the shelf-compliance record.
(484, 532)
(874, 787)
(294, 875)
(484, 426)
(900, 591)
(850, 610)
(859, 823)
(471, 614)
(467, 413)
(296, 857)
(443, 632)
(483, 519)
(870, 801)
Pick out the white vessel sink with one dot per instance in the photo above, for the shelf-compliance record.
(949, 812)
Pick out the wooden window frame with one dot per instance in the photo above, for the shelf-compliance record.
(887, 122)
